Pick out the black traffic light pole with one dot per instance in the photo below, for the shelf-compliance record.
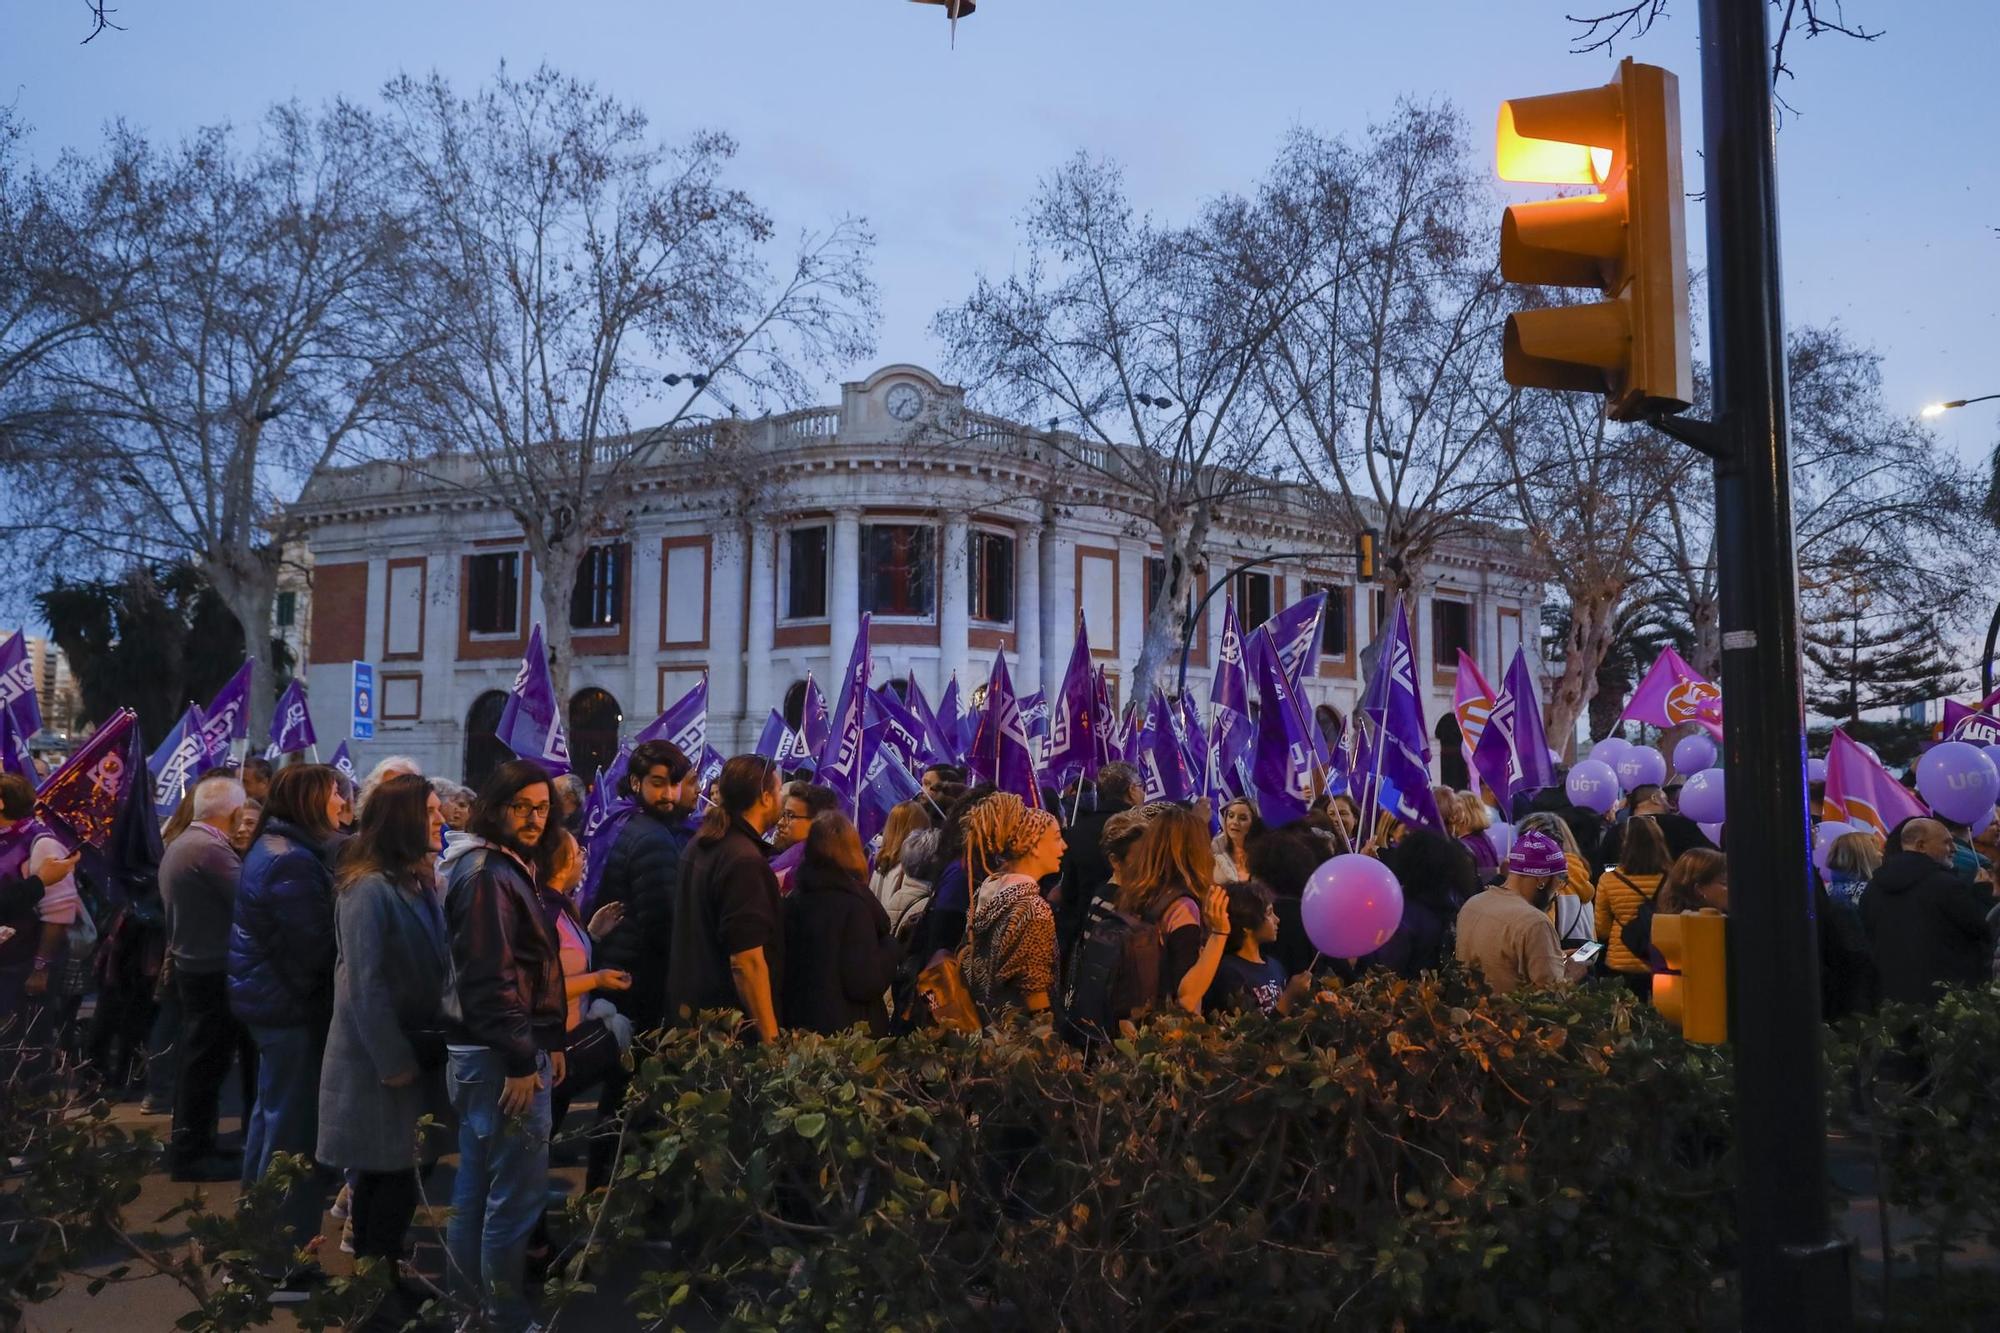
(1795, 1270)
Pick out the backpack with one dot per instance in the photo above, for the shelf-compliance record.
(1114, 974)
(1637, 934)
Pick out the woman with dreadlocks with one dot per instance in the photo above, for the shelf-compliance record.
(1010, 949)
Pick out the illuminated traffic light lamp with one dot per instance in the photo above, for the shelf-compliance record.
(1696, 947)
(1365, 542)
(1627, 240)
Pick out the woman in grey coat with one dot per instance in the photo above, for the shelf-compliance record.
(385, 1044)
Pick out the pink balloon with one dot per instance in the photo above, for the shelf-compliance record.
(1351, 906)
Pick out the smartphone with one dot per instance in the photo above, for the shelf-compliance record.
(1586, 952)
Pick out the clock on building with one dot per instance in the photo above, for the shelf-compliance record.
(904, 401)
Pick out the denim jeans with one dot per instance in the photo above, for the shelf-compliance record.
(286, 1119)
(503, 1184)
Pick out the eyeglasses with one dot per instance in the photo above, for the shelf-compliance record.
(787, 817)
(524, 812)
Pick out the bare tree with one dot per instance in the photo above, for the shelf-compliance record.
(244, 334)
(1141, 340)
(574, 262)
(1806, 18)
(1385, 381)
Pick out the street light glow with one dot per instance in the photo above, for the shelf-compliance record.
(1934, 409)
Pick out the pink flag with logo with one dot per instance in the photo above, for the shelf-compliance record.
(1472, 700)
(1861, 792)
(1674, 694)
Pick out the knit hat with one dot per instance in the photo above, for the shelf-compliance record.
(1537, 854)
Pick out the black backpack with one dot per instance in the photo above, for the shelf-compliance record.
(1114, 973)
(1637, 934)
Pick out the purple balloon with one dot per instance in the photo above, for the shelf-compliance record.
(1981, 824)
(1816, 771)
(1957, 780)
(1610, 750)
(1702, 797)
(1640, 765)
(1502, 836)
(1713, 832)
(1351, 906)
(1694, 753)
(1832, 831)
(1593, 785)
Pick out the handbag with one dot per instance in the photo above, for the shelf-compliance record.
(945, 997)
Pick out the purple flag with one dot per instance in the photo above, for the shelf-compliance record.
(343, 763)
(1001, 750)
(1111, 734)
(951, 720)
(227, 717)
(531, 724)
(1229, 726)
(14, 753)
(1674, 693)
(1963, 724)
(1513, 751)
(1162, 766)
(83, 796)
(17, 685)
(291, 724)
(1394, 751)
(901, 728)
(1294, 634)
(1071, 751)
(936, 744)
(685, 723)
(605, 814)
(886, 784)
(814, 723)
(844, 762)
(1035, 714)
(779, 743)
(1281, 765)
(182, 757)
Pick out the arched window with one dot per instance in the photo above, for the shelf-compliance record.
(593, 731)
(795, 704)
(483, 750)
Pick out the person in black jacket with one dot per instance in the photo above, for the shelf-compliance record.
(1084, 864)
(729, 941)
(504, 1013)
(1926, 926)
(642, 874)
(839, 954)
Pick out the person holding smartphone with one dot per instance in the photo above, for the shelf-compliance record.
(1505, 932)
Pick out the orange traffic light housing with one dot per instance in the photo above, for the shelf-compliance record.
(1695, 996)
(1628, 240)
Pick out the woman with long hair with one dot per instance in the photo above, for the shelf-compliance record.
(1467, 819)
(1623, 890)
(1232, 846)
(1170, 885)
(281, 963)
(1698, 881)
(895, 884)
(840, 954)
(385, 1046)
(1009, 958)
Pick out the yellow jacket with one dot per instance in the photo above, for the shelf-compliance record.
(1618, 898)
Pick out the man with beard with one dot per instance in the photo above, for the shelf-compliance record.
(640, 875)
(1505, 931)
(504, 1011)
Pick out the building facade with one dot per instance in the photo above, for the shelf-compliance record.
(959, 534)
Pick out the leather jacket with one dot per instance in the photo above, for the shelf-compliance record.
(506, 988)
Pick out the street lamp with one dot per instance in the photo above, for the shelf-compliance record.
(1939, 409)
(1992, 630)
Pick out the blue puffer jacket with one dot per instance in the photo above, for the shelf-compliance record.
(281, 948)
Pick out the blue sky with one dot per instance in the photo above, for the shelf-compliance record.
(1889, 175)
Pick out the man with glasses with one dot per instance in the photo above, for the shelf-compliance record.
(505, 1010)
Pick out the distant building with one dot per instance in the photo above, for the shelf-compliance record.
(955, 551)
(56, 689)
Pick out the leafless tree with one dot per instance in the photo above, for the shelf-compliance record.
(1385, 381)
(1805, 18)
(574, 261)
(1141, 340)
(245, 333)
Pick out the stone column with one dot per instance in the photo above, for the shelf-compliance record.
(953, 610)
(1028, 609)
(1059, 603)
(844, 598)
(375, 615)
(761, 543)
(441, 702)
(727, 702)
(647, 587)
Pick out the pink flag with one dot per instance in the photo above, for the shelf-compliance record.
(1861, 792)
(1674, 694)
(1472, 699)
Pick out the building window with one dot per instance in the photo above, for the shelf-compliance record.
(991, 589)
(493, 594)
(805, 573)
(597, 601)
(1451, 633)
(288, 609)
(1333, 625)
(897, 568)
(1253, 598)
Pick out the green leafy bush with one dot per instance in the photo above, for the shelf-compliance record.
(1415, 1155)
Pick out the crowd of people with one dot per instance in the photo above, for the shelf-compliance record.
(365, 959)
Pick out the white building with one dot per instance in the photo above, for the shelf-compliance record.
(981, 540)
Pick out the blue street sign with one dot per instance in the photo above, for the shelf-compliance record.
(363, 727)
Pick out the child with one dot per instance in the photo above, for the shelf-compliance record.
(1245, 977)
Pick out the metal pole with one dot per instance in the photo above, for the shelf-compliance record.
(1796, 1272)
(1986, 667)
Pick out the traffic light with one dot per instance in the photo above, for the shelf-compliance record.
(1364, 554)
(1696, 946)
(1627, 240)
